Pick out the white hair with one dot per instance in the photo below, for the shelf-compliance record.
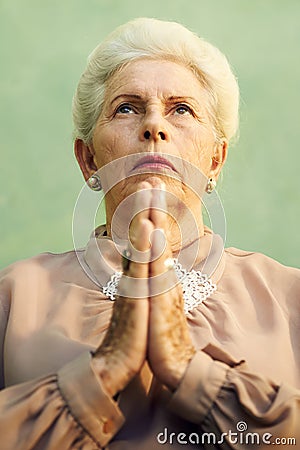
(152, 38)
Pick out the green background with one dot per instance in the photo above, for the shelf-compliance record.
(43, 47)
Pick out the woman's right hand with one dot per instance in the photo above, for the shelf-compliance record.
(123, 350)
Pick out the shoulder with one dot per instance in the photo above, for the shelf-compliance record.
(257, 260)
(39, 265)
(262, 273)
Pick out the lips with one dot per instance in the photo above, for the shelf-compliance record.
(153, 162)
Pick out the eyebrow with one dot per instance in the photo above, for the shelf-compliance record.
(129, 96)
(139, 97)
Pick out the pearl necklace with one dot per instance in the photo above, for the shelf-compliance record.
(196, 286)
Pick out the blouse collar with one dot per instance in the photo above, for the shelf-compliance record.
(102, 257)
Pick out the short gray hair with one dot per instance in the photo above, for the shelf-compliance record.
(152, 38)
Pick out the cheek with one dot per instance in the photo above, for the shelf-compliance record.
(111, 143)
(105, 146)
(199, 150)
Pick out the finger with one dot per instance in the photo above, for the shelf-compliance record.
(159, 219)
(159, 209)
(142, 201)
(163, 279)
(140, 229)
(160, 248)
(134, 282)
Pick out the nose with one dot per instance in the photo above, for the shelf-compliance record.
(154, 127)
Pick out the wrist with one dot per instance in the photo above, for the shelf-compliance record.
(113, 374)
(173, 376)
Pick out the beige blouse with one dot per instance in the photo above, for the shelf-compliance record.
(241, 388)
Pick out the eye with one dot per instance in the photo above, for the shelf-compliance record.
(125, 108)
(183, 109)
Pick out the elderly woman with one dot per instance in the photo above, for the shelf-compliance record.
(151, 335)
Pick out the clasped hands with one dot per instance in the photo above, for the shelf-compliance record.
(152, 327)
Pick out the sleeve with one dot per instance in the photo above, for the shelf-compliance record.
(235, 407)
(66, 410)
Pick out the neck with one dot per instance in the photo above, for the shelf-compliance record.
(184, 227)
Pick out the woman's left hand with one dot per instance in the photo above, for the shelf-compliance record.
(170, 346)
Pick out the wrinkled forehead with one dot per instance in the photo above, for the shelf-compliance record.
(151, 77)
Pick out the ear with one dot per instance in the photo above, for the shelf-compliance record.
(85, 155)
(218, 159)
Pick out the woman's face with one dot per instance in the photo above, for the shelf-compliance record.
(156, 108)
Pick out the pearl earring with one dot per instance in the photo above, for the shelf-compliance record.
(211, 184)
(94, 183)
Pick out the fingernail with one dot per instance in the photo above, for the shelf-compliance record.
(162, 195)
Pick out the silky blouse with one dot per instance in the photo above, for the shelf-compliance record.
(241, 387)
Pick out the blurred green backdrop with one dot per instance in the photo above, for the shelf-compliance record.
(44, 46)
